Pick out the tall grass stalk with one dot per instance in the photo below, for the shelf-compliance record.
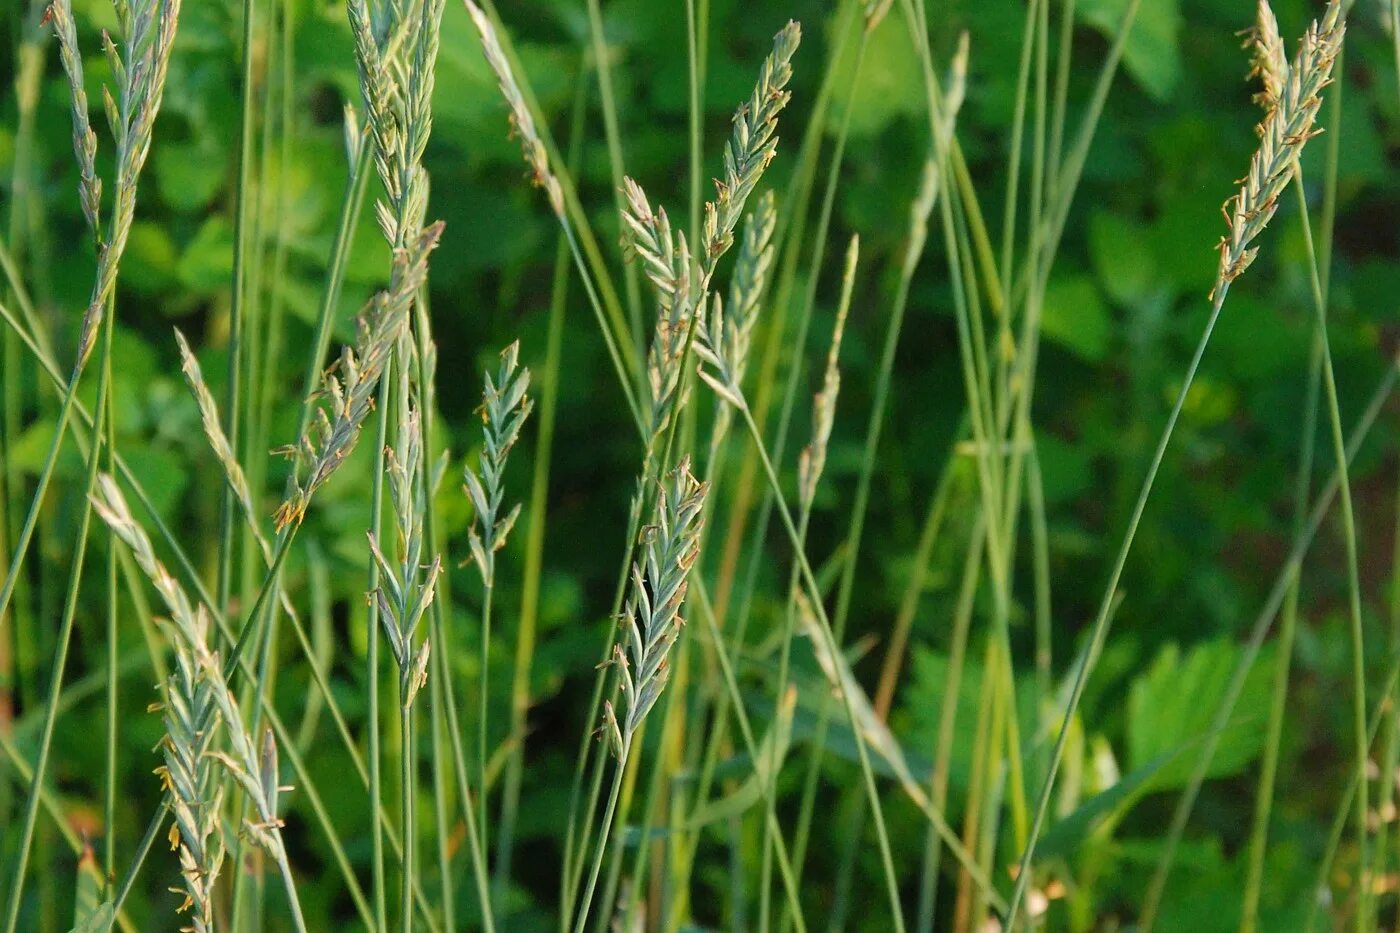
(65, 635)
(1285, 132)
(149, 35)
(535, 530)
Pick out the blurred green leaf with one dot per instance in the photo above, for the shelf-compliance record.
(190, 175)
(206, 264)
(1176, 700)
(891, 81)
(1122, 258)
(1152, 54)
(1076, 318)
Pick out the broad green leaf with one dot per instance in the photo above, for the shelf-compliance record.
(891, 83)
(1076, 318)
(190, 175)
(1152, 54)
(1176, 700)
(206, 264)
(1066, 835)
(1123, 259)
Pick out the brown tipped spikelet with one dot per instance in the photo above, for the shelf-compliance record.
(348, 397)
(1288, 125)
(522, 124)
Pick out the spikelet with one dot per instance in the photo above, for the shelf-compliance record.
(504, 408)
(1288, 125)
(1267, 60)
(150, 35)
(751, 145)
(190, 715)
(347, 398)
(812, 461)
(395, 59)
(60, 14)
(522, 124)
(406, 588)
(652, 621)
(213, 430)
(668, 264)
(252, 766)
(724, 338)
(191, 721)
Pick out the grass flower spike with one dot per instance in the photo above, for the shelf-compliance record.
(349, 396)
(522, 124)
(504, 408)
(407, 586)
(652, 621)
(1287, 126)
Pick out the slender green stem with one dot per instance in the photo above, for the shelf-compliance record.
(1358, 670)
(581, 914)
(484, 706)
(602, 64)
(1099, 629)
(534, 563)
(109, 807)
(408, 762)
(243, 199)
(814, 593)
(947, 720)
(65, 635)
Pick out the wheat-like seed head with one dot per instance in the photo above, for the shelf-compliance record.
(725, 336)
(504, 407)
(1287, 127)
(522, 124)
(682, 282)
(199, 699)
(213, 430)
(652, 619)
(253, 767)
(406, 588)
(191, 715)
(141, 78)
(751, 145)
(667, 262)
(347, 398)
(395, 55)
(812, 461)
(191, 722)
(60, 13)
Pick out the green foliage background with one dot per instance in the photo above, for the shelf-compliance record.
(1125, 305)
